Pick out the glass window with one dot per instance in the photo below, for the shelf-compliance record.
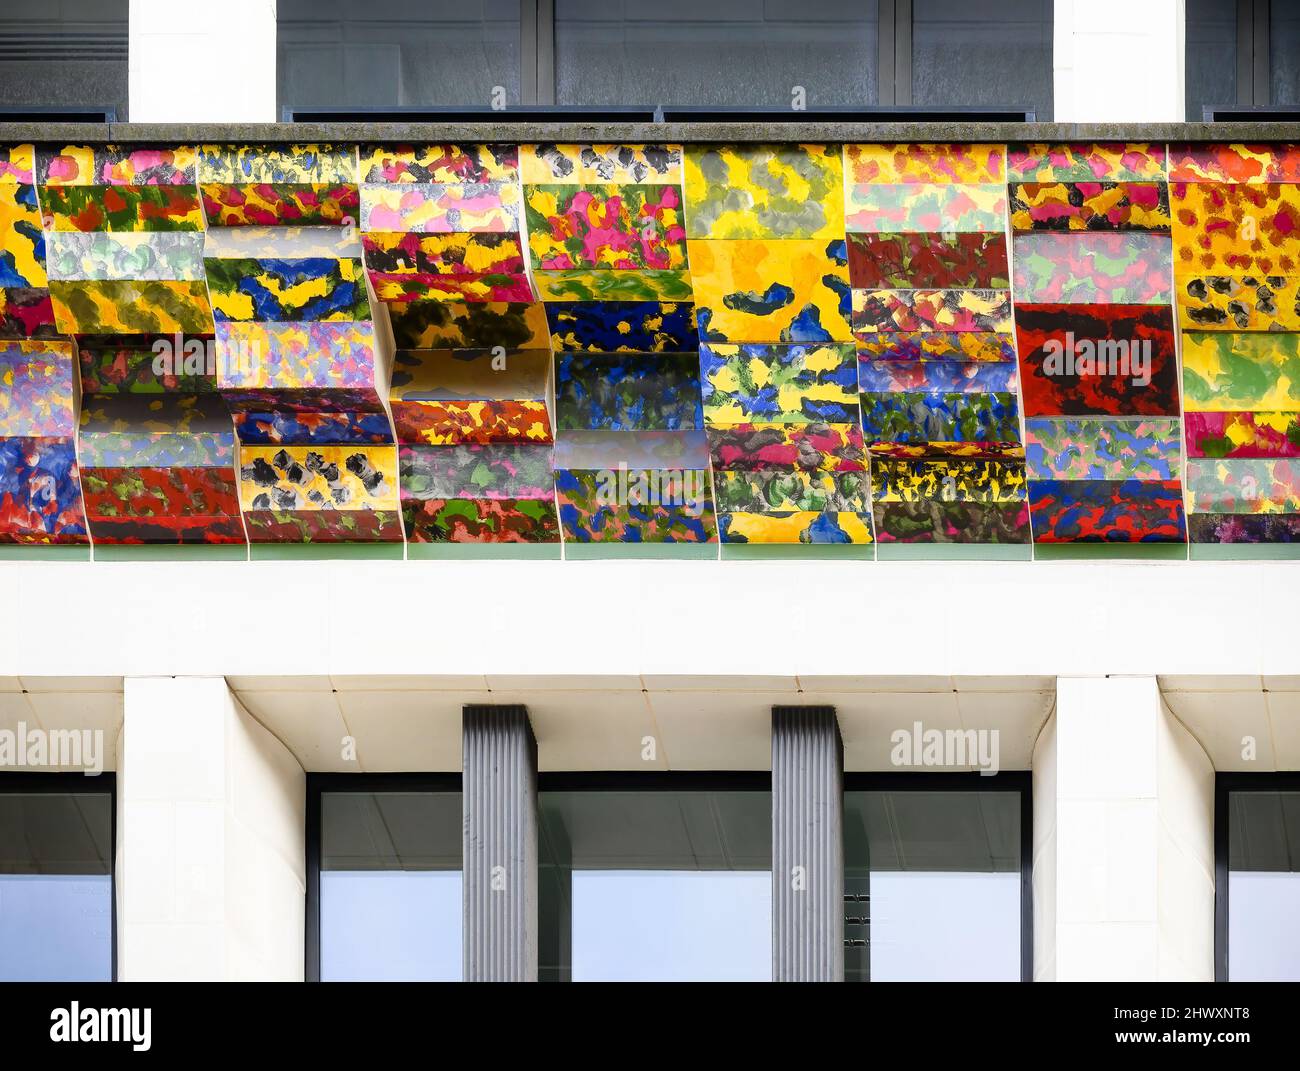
(932, 885)
(655, 885)
(1211, 70)
(388, 53)
(69, 53)
(1284, 52)
(1264, 886)
(390, 886)
(56, 885)
(992, 53)
(743, 53)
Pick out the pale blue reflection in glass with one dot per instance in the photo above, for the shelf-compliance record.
(941, 927)
(56, 928)
(390, 925)
(1264, 926)
(672, 925)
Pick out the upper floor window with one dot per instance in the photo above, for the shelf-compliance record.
(56, 877)
(388, 53)
(64, 53)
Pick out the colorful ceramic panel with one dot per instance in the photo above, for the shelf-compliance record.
(1112, 268)
(933, 520)
(127, 306)
(1244, 527)
(1242, 434)
(622, 164)
(318, 478)
(985, 311)
(939, 420)
(1243, 485)
(477, 520)
(947, 480)
(1234, 163)
(941, 377)
(1090, 206)
(784, 491)
(263, 185)
(1103, 449)
(1085, 162)
(300, 355)
(627, 392)
(450, 267)
(497, 470)
(771, 291)
(621, 326)
(1107, 511)
(1224, 372)
(273, 290)
(811, 447)
(636, 505)
(615, 227)
(152, 505)
(453, 325)
(926, 163)
(36, 389)
(440, 208)
(822, 527)
(911, 347)
(1097, 359)
(1226, 229)
(1239, 303)
(925, 207)
(778, 383)
(40, 492)
(934, 261)
(764, 191)
(591, 284)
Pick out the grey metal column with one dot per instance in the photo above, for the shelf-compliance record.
(807, 845)
(499, 790)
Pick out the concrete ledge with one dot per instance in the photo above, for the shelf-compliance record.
(522, 131)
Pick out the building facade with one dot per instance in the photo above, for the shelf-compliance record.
(520, 547)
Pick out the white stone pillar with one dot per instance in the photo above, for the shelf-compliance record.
(202, 63)
(210, 853)
(1118, 61)
(1123, 872)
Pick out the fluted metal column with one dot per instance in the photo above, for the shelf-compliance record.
(807, 845)
(499, 764)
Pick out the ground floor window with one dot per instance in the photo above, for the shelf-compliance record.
(936, 877)
(655, 877)
(1257, 877)
(56, 877)
(384, 877)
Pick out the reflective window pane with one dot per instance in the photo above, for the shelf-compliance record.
(390, 886)
(56, 892)
(992, 53)
(1264, 886)
(64, 52)
(1211, 71)
(932, 886)
(1284, 52)
(389, 53)
(740, 53)
(655, 885)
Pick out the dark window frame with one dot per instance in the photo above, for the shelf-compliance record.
(51, 783)
(1224, 785)
(320, 783)
(1021, 781)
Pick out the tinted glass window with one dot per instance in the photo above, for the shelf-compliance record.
(1284, 52)
(388, 53)
(744, 53)
(64, 52)
(56, 892)
(655, 886)
(1264, 886)
(932, 886)
(390, 886)
(1211, 70)
(995, 53)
